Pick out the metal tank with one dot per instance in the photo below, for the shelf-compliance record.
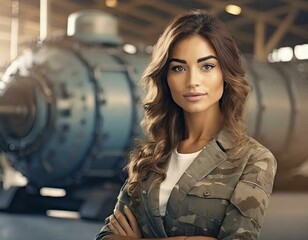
(277, 116)
(69, 108)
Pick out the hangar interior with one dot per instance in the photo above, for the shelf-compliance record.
(269, 24)
(70, 105)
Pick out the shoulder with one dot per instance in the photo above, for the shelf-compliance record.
(257, 149)
(261, 156)
(261, 166)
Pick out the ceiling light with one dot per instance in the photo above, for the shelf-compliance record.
(149, 49)
(301, 51)
(63, 214)
(129, 48)
(233, 9)
(274, 56)
(285, 54)
(111, 3)
(52, 192)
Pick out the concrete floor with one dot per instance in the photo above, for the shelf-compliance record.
(33, 227)
(286, 219)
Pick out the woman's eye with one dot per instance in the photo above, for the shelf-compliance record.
(178, 69)
(208, 67)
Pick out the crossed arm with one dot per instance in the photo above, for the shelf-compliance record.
(127, 228)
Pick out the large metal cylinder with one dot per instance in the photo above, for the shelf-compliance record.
(278, 116)
(69, 111)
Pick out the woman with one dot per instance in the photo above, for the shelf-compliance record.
(197, 173)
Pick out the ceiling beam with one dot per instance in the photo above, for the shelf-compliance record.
(276, 22)
(132, 10)
(280, 31)
(301, 4)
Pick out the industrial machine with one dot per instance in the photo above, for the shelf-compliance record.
(70, 109)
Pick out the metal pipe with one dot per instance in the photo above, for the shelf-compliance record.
(44, 19)
(14, 29)
(13, 110)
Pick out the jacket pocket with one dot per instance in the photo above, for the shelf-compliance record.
(209, 199)
(207, 204)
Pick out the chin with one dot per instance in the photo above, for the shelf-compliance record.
(195, 110)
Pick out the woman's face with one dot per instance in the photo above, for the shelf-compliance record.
(194, 75)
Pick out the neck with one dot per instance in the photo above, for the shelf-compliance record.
(204, 125)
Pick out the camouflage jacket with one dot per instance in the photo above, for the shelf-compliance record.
(216, 196)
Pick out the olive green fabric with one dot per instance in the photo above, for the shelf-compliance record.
(216, 196)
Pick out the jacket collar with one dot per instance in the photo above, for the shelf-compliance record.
(225, 138)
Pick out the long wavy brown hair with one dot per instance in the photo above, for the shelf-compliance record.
(163, 121)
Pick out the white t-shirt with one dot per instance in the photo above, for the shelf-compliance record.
(179, 162)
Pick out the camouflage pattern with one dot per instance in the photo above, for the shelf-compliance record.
(216, 196)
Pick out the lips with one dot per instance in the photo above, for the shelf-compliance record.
(194, 96)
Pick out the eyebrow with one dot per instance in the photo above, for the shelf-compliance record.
(205, 58)
(198, 61)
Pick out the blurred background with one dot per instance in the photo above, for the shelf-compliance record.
(70, 105)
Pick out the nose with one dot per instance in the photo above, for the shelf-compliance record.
(193, 78)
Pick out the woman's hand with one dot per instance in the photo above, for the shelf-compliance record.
(119, 225)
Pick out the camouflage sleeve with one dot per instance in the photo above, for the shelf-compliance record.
(244, 215)
(123, 199)
(105, 231)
